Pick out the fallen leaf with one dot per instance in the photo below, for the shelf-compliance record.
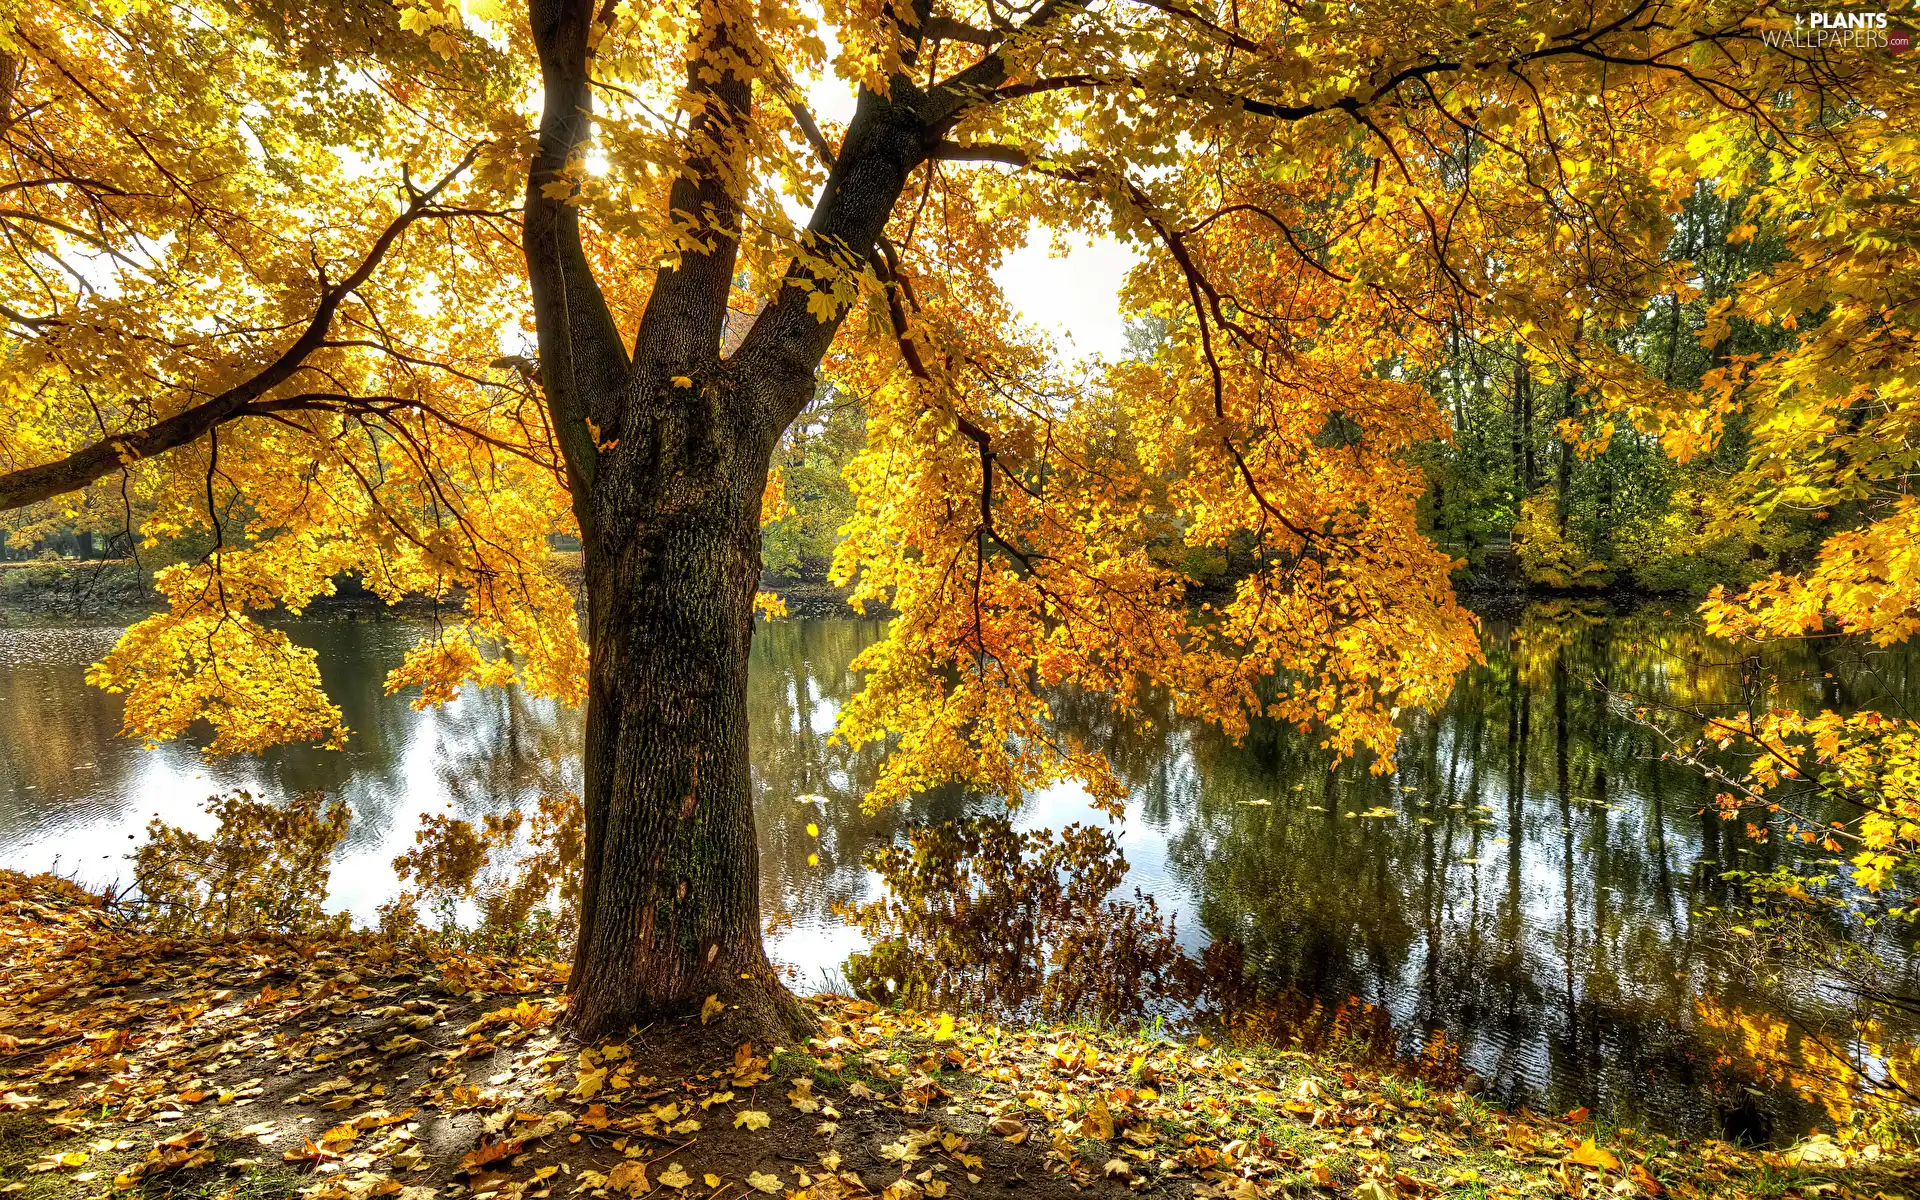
(1819, 1150)
(675, 1176)
(55, 1162)
(1099, 1120)
(752, 1119)
(631, 1177)
(1587, 1154)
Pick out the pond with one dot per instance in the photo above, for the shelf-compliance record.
(1539, 883)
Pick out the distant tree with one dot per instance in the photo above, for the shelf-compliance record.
(814, 503)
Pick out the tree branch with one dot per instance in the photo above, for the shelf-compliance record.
(29, 485)
(947, 100)
(687, 310)
(947, 29)
(981, 152)
(887, 139)
(583, 361)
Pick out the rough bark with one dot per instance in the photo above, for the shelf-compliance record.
(671, 900)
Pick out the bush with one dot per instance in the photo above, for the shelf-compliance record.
(1548, 555)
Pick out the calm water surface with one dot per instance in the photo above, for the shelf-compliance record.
(1546, 890)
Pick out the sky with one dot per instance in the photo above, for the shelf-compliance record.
(1075, 297)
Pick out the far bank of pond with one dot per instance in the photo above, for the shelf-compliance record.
(1545, 888)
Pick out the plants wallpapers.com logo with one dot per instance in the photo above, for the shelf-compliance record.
(1840, 31)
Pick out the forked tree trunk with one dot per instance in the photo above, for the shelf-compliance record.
(666, 455)
(670, 903)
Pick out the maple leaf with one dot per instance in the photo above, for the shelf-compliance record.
(491, 1153)
(675, 1177)
(751, 1119)
(1588, 1154)
(1098, 1121)
(801, 1096)
(631, 1177)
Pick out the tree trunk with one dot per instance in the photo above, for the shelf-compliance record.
(1519, 445)
(667, 451)
(670, 904)
(1563, 477)
(1530, 468)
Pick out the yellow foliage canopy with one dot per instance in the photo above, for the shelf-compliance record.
(263, 289)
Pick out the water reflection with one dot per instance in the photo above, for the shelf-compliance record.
(75, 796)
(1530, 877)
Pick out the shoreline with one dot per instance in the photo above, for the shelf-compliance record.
(106, 591)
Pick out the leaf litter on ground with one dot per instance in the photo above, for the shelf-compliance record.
(354, 1067)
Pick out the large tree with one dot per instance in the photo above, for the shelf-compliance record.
(266, 266)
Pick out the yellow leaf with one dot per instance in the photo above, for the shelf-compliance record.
(630, 1177)
(1587, 1154)
(759, 1181)
(752, 1119)
(675, 1176)
(943, 1028)
(1099, 1120)
(711, 1009)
